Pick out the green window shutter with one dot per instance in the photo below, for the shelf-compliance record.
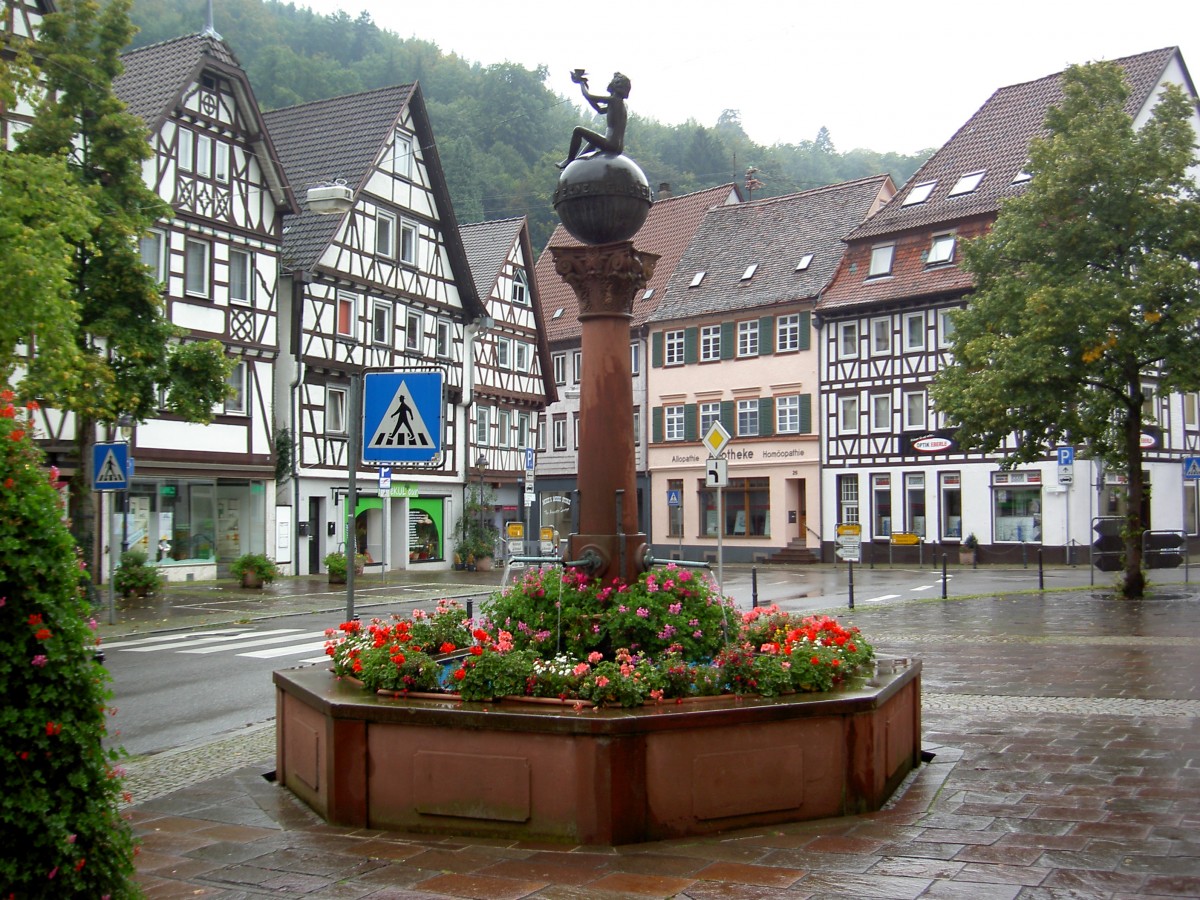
(656, 349)
(656, 424)
(766, 336)
(727, 416)
(806, 412)
(805, 336)
(727, 340)
(689, 346)
(766, 416)
(690, 423)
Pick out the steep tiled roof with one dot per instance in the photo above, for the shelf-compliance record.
(326, 140)
(774, 235)
(996, 141)
(155, 75)
(487, 245)
(667, 230)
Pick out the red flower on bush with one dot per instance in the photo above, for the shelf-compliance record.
(460, 674)
(448, 647)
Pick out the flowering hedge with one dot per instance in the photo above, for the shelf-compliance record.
(59, 787)
(667, 636)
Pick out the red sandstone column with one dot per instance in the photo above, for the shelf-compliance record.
(606, 278)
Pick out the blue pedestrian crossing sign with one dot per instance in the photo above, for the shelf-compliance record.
(674, 498)
(1191, 467)
(110, 467)
(402, 417)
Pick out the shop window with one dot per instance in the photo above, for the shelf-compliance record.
(747, 504)
(881, 501)
(951, 488)
(847, 499)
(914, 502)
(1017, 506)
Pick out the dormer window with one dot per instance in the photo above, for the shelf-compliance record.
(967, 183)
(696, 279)
(881, 260)
(749, 273)
(920, 193)
(941, 251)
(805, 262)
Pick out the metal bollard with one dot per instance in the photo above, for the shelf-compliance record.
(1041, 572)
(754, 587)
(943, 576)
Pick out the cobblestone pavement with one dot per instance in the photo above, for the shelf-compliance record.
(1065, 730)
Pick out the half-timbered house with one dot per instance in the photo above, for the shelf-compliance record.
(508, 376)
(731, 342)
(203, 495)
(666, 232)
(381, 286)
(20, 22)
(891, 462)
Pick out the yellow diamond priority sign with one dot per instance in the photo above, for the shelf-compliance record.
(715, 439)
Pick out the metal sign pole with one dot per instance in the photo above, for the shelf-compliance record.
(720, 539)
(354, 451)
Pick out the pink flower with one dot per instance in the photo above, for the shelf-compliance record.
(595, 657)
(581, 669)
(643, 613)
(675, 608)
(40, 660)
(601, 681)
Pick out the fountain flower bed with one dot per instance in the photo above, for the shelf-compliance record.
(650, 709)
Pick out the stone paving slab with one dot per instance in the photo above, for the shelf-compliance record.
(1066, 738)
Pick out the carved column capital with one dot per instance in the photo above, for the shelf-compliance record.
(605, 278)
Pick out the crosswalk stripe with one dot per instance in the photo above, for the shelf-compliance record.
(258, 640)
(164, 638)
(289, 650)
(223, 640)
(882, 597)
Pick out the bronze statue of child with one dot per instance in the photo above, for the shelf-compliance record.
(612, 107)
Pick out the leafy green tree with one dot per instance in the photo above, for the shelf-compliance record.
(126, 349)
(1087, 290)
(60, 822)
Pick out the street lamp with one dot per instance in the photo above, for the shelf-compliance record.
(481, 464)
(125, 424)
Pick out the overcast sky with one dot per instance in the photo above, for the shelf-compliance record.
(889, 76)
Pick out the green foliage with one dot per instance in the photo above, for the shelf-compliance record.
(59, 791)
(134, 577)
(499, 128)
(1086, 289)
(491, 674)
(476, 535)
(335, 564)
(259, 564)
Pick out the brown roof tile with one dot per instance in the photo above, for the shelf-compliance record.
(667, 231)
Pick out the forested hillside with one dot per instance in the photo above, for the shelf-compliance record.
(499, 129)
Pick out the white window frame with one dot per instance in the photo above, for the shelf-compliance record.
(919, 193)
(635, 358)
(915, 410)
(577, 366)
(673, 344)
(967, 183)
(747, 338)
(221, 162)
(881, 412)
(443, 340)
(523, 430)
(504, 353)
(408, 237)
(381, 312)
(335, 410)
(243, 261)
(881, 337)
(483, 426)
(673, 419)
(204, 155)
(882, 258)
(710, 343)
(787, 333)
(414, 331)
(237, 403)
(941, 250)
(559, 363)
(190, 266)
(708, 411)
(340, 299)
(945, 328)
(187, 150)
(520, 289)
(848, 414)
(847, 340)
(385, 234)
(152, 246)
(747, 418)
(504, 427)
(521, 357)
(559, 429)
(402, 155)
(787, 414)
(911, 345)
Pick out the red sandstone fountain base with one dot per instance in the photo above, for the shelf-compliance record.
(592, 776)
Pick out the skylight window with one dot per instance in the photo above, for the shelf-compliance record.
(1021, 177)
(696, 279)
(649, 293)
(805, 262)
(557, 313)
(750, 270)
(941, 251)
(967, 183)
(920, 193)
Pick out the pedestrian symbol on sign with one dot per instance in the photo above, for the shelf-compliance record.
(401, 425)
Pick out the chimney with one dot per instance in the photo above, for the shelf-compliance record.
(664, 190)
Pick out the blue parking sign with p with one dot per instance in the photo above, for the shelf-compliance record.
(1066, 456)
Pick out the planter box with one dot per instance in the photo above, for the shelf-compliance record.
(592, 776)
